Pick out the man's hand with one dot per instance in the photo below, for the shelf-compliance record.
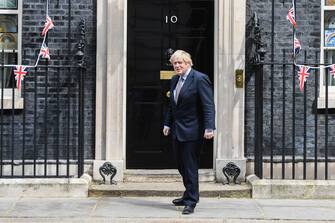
(166, 130)
(209, 133)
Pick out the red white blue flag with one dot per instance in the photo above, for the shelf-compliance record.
(297, 46)
(20, 72)
(291, 15)
(47, 26)
(332, 70)
(303, 75)
(44, 52)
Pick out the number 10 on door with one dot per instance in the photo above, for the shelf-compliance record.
(172, 19)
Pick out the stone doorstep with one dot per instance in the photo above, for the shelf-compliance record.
(165, 175)
(291, 189)
(46, 187)
(168, 189)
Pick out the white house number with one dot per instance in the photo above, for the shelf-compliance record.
(173, 19)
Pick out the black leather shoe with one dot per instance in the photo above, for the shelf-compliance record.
(178, 202)
(188, 210)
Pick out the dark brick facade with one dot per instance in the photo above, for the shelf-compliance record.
(60, 97)
(308, 31)
(63, 109)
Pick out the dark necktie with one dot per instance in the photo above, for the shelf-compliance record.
(178, 87)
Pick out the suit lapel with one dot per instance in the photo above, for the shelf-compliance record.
(186, 85)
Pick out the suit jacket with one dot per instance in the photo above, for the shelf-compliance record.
(194, 111)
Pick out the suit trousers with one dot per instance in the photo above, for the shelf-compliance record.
(187, 156)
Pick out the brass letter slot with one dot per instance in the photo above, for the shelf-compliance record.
(239, 79)
(166, 74)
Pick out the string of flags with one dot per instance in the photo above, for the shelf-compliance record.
(20, 71)
(303, 72)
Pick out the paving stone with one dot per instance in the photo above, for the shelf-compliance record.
(297, 203)
(52, 208)
(6, 205)
(160, 209)
(298, 213)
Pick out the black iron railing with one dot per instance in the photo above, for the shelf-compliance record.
(41, 125)
(294, 132)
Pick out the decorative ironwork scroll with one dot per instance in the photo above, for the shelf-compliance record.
(108, 169)
(231, 171)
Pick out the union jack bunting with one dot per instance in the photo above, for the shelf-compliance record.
(47, 26)
(291, 16)
(303, 75)
(44, 52)
(19, 75)
(332, 70)
(297, 46)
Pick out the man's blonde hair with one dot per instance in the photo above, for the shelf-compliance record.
(181, 55)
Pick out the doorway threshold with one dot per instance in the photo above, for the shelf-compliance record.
(164, 175)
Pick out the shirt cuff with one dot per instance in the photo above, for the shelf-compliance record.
(209, 130)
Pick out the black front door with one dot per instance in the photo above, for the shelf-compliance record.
(155, 28)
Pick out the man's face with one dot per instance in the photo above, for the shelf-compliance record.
(180, 67)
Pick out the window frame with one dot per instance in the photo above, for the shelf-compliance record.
(8, 92)
(323, 49)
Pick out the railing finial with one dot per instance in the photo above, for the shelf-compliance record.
(80, 55)
(260, 49)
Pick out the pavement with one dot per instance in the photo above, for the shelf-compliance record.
(160, 209)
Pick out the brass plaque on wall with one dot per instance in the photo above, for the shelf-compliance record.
(166, 74)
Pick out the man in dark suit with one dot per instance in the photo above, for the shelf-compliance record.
(190, 118)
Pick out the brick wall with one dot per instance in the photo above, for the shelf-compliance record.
(59, 94)
(308, 31)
